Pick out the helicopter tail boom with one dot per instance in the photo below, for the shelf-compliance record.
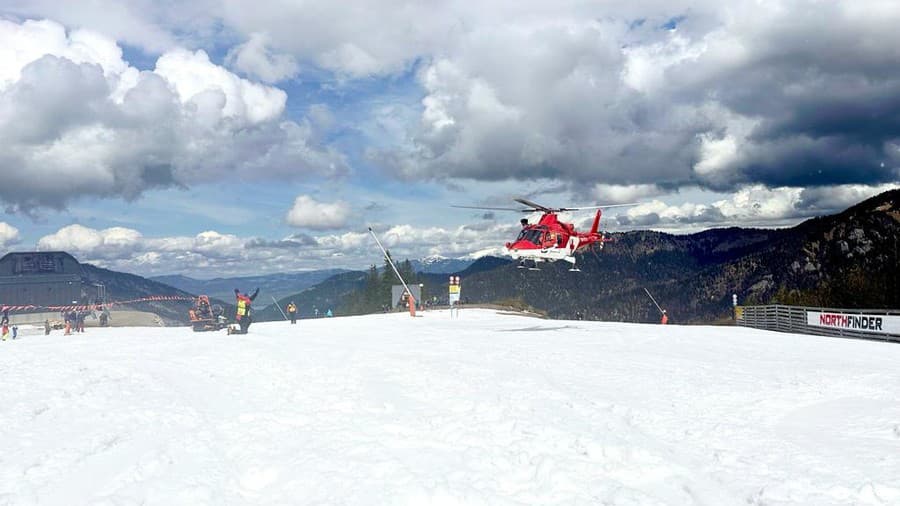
(595, 227)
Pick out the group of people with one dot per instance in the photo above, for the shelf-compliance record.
(74, 320)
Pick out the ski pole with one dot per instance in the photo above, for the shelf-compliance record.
(654, 300)
(279, 308)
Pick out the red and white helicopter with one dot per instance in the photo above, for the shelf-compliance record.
(549, 239)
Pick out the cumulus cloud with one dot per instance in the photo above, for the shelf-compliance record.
(9, 235)
(310, 213)
(77, 120)
(256, 58)
(733, 94)
(115, 242)
(623, 194)
(141, 23)
(754, 206)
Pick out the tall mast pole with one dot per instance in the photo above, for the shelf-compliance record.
(412, 300)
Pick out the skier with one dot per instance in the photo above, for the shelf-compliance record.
(5, 331)
(329, 314)
(665, 318)
(243, 315)
(47, 327)
(15, 329)
(292, 312)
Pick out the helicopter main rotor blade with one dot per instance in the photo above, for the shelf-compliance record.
(532, 204)
(494, 208)
(598, 207)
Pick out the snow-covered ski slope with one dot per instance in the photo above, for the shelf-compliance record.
(489, 409)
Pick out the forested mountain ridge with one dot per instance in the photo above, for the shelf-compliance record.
(845, 260)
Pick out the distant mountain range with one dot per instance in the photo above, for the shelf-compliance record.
(271, 285)
(441, 265)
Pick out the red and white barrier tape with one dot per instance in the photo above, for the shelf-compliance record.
(82, 307)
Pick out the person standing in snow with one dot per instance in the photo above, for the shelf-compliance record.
(70, 322)
(329, 314)
(665, 318)
(79, 321)
(243, 314)
(292, 312)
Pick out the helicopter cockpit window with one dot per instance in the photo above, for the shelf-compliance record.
(532, 235)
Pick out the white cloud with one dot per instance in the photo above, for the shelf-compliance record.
(310, 213)
(71, 109)
(620, 93)
(115, 242)
(624, 194)
(256, 58)
(9, 235)
(752, 206)
(155, 26)
(716, 155)
(200, 82)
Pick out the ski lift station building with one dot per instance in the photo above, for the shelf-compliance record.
(45, 278)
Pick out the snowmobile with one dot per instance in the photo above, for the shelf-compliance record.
(207, 317)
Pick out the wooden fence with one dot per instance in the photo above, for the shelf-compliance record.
(795, 319)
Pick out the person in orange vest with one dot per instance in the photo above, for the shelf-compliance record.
(665, 318)
(243, 313)
(292, 312)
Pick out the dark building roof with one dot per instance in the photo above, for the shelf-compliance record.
(39, 263)
(41, 278)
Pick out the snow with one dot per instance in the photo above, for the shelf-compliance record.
(487, 409)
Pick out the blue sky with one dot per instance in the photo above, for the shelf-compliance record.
(224, 137)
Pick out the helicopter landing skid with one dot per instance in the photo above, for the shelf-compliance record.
(524, 264)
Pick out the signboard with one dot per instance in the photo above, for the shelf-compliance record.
(879, 324)
(454, 290)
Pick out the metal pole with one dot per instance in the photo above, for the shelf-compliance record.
(654, 300)
(279, 308)
(391, 262)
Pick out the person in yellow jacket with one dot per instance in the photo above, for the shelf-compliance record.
(243, 313)
(292, 312)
